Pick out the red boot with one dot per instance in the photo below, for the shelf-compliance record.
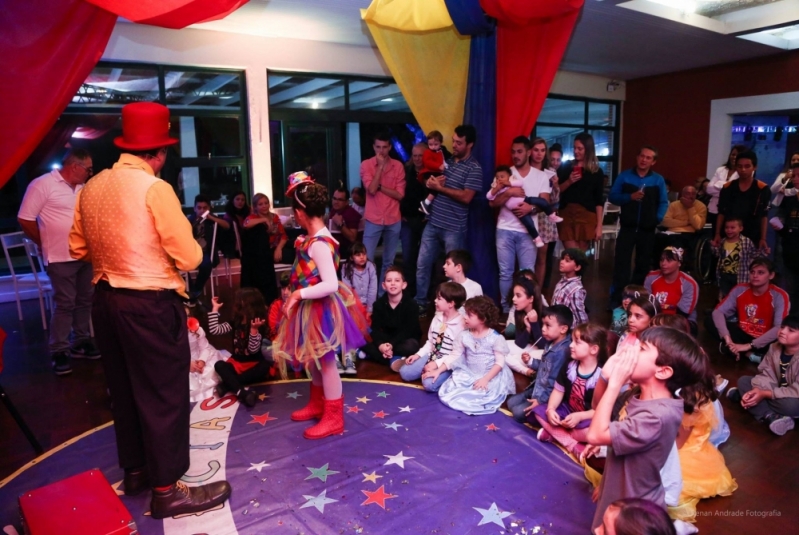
(315, 407)
(332, 422)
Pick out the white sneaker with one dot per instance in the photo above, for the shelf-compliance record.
(555, 218)
(349, 366)
(780, 426)
(539, 242)
(339, 367)
(721, 383)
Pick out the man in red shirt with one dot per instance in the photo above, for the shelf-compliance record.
(760, 308)
(384, 180)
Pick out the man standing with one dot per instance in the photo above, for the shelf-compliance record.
(746, 199)
(642, 196)
(513, 241)
(412, 218)
(203, 223)
(130, 225)
(344, 221)
(684, 218)
(447, 223)
(46, 217)
(384, 180)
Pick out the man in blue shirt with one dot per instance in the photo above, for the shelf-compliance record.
(642, 196)
(455, 189)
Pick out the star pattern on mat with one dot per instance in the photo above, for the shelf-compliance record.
(317, 501)
(293, 395)
(380, 414)
(394, 425)
(355, 408)
(398, 459)
(406, 408)
(492, 515)
(262, 397)
(261, 419)
(378, 497)
(321, 472)
(491, 427)
(383, 394)
(363, 400)
(116, 486)
(373, 477)
(258, 466)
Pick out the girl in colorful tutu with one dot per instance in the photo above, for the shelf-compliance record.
(323, 316)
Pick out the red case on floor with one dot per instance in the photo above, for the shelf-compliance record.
(84, 504)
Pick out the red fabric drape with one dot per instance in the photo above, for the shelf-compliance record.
(532, 36)
(49, 48)
(175, 14)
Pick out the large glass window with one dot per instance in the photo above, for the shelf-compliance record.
(562, 118)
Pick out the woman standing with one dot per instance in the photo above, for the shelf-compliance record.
(262, 245)
(582, 185)
(547, 229)
(236, 211)
(723, 174)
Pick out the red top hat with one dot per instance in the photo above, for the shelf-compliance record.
(145, 126)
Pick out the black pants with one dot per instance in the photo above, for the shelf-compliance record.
(736, 334)
(144, 341)
(203, 274)
(643, 242)
(405, 348)
(234, 381)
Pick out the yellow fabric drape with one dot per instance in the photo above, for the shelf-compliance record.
(408, 15)
(431, 67)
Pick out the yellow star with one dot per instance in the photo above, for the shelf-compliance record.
(116, 485)
(363, 400)
(373, 477)
(262, 397)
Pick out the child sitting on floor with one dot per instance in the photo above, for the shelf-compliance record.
(540, 301)
(569, 291)
(361, 275)
(504, 179)
(634, 516)
(618, 324)
(640, 313)
(247, 364)
(480, 381)
(566, 416)
(526, 301)
(435, 358)
(665, 361)
(202, 376)
(772, 396)
(557, 321)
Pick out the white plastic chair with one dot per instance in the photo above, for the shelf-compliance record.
(608, 230)
(37, 279)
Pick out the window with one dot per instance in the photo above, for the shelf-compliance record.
(562, 118)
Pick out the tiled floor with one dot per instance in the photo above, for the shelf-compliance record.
(57, 409)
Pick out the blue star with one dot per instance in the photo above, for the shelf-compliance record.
(319, 501)
(395, 426)
(293, 395)
(321, 473)
(383, 394)
(492, 514)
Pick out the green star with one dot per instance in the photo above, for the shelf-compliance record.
(321, 473)
(382, 394)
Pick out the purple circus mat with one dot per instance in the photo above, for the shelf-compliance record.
(406, 464)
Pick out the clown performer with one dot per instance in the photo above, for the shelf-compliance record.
(323, 315)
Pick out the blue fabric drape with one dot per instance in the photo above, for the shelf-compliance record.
(480, 111)
(468, 17)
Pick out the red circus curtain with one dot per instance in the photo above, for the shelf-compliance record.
(532, 36)
(50, 47)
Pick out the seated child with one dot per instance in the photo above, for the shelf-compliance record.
(556, 324)
(772, 396)
(569, 291)
(480, 381)
(202, 376)
(758, 308)
(641, 311)
(675, 292)
(456, 264)
(434, 164)
(735, 252)
(618, 324)
(527, 308)
(247, 364)
(361, 275)
(665, 361)
(395, 322)
(504, 179)
(566, 416)
(435, 358)
(634, 516)
(540, 300)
